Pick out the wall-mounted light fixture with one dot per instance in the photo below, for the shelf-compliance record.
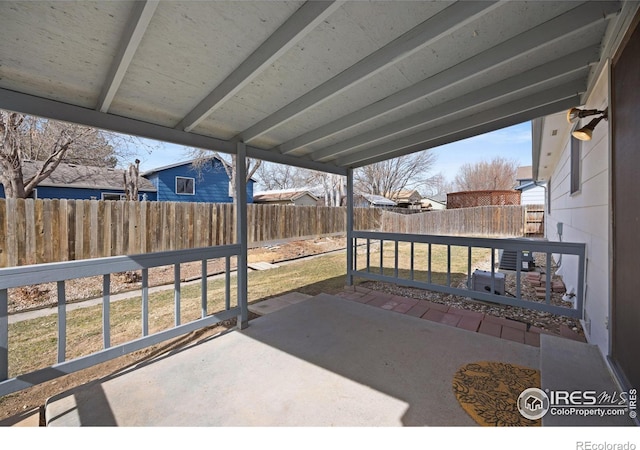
(585, 133)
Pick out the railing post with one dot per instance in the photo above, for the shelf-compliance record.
(581, 276)
(241, 232)
(106, 310)
(145, 301)
(176, 294)
(62, 322)
(350, 249)
(203, 290)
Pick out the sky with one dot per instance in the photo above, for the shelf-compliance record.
(511, 143)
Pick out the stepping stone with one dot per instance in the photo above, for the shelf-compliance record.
(262, 266)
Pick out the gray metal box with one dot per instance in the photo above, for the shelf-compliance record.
(481, 281)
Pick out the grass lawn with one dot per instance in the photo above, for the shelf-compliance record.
(32, 343)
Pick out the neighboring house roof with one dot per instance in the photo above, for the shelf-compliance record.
(281, 195)
(432, 200)
(83, 177)
(183, 163)
(378, 200)
(524, 173)
(440, 198)
(171, 166)
(406, 195)
(527, 186)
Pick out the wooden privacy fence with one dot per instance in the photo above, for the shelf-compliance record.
(485, 221)
(43, 230)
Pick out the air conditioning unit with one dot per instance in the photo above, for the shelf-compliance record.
(481, 282)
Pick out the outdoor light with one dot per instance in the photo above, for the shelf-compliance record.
(585, 133)
(575, 114)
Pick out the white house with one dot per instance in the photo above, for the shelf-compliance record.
(296, 197)
(532, 192)
(593, 196)
(431, 204)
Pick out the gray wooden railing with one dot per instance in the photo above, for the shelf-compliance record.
(60, 273)
(376, 270)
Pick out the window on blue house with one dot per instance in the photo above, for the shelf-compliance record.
(185, 185)
(113, 196)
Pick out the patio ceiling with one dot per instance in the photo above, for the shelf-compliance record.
(322, 85)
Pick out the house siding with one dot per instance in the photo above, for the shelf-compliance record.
(211, 184)
(533, 196)
(51, 192)
(585, 218)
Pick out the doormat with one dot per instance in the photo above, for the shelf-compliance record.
(488, 392)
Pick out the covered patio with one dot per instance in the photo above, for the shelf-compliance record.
(323, 362)
(324, 85)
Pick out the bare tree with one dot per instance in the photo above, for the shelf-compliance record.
(131, 181)
(331, 187)
(439, 186)
(51, 142)
(497, 174)
(279, 176)
(386, 177)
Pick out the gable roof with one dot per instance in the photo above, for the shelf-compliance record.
(378, 200)
(324, 85)
(281, 195)
(149, 172)
(530, 185)
(405, 195)
(83, 177)
(174, 165)
(524, 173)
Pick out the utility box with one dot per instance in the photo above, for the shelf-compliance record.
(481, 282)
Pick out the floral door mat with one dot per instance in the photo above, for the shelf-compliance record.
(489, 391)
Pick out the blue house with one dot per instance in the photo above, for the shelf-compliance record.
(184, 182)
(79, 182)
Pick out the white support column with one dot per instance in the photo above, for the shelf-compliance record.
(241, 232)
(350, 267)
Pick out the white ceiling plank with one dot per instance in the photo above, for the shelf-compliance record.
(564, 66)
(52, 109)
(303, 21)
(584, 15)
(570, 89)
(56, 110)
(139, 21)
(442, 24)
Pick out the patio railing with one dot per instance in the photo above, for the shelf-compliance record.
(400, 262)
(62, 272)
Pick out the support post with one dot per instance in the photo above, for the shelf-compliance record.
(350, 268)
(241, 232)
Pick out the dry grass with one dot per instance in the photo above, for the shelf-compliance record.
(32, 343)
(441, 260)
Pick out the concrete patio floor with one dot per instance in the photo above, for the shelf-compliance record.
(323, 361)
